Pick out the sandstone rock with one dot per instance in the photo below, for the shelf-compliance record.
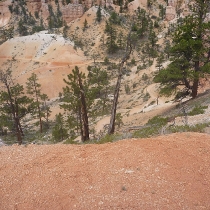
(170, 13)
(72, 11)
(172, 3)
(69, 12)
(44, 10)
(5, 14)
(34, 5)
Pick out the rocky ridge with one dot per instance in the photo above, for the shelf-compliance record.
(76, 9)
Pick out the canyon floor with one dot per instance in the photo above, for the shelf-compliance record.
(167, 172)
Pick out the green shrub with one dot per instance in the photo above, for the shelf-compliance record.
(127, 89)
(133, 61)
(158, 121)
(153, 127)
(146, 97)
(197, 110)
(152, 102)
(145, 77)
(186, 128)
(146, 132)
(105, 139)
(134, 85)
(106, 61)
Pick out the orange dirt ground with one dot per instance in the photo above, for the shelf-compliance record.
(168, 172)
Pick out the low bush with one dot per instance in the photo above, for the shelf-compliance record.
(197, 110)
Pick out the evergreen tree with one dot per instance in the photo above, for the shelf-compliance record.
(65, 30)
(126, 56)
(190, 53)
(85, 25)
(114, 18)
(59, 13)
(111, 37)
(14, 104)
(59, 132)
(98, 14)
(34, 89)
(142, 23)
(149, 4)
(160, 60)
(98, 79)
(75, 98)
(152, 38)
(167, 48)
(162, 12)
(23, 31)
(121, 41)
(118, 120)
(45, 109)
(36, 14)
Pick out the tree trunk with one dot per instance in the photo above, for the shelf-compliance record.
(195, 88)
(81, 127)
(39, 109)
(117, 88)
(104, 100)
(115, 101)
(196, 80)
(18, 132)
(84, 112)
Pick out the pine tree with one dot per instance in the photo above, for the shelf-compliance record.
(167, 48)
(120, 41)
(45, 109)
(142, 23)
(126, 56)
(111, 37)
(34, 89)
(14, 104)
(59, 132)
(75, 98)
(98, 80)
(152, 37)
(98, 14)
(23, 31)
(85, 25)
(114, 18)
(190, 54)
(162, 11)
(160, 60)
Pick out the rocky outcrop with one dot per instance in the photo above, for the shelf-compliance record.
(172, 3)
(34, 5)
(5, 14)
(76, 10)
(72, 11)
(170, 13)
(44, 10)
(108, 2)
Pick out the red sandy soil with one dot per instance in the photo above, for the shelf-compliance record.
(168, 172)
